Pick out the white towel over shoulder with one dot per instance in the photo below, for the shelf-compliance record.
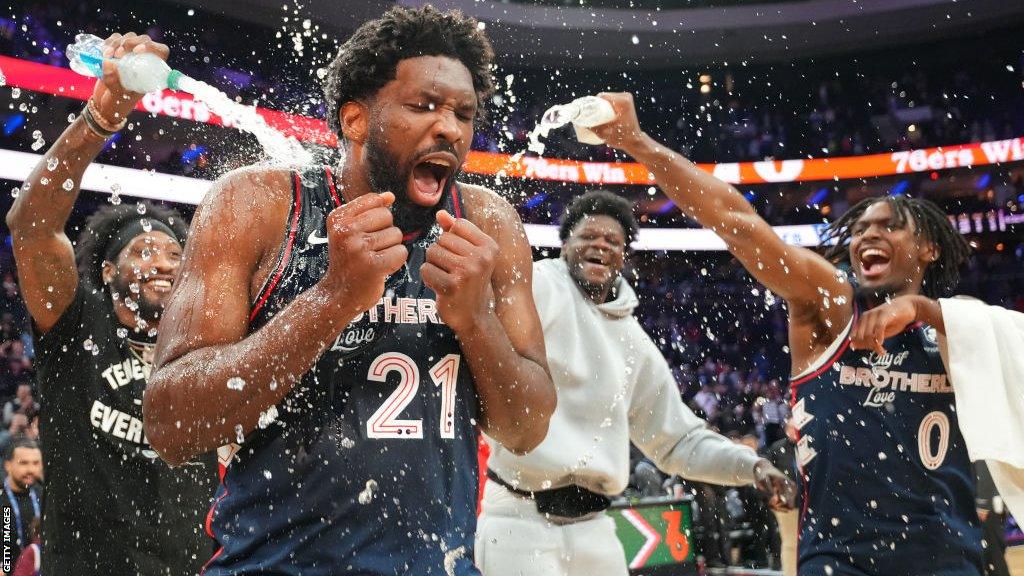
(984, 353)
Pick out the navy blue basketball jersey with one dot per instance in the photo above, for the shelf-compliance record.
(368, 466)
(888, 487)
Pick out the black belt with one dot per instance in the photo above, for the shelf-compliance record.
(568, 502)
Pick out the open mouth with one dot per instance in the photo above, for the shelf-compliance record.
(874, 262)
(595, 263)
(429, 178)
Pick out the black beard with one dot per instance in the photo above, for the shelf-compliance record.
(147, 310)
(385, 175)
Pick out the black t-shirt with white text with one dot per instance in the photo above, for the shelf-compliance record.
(112, 506)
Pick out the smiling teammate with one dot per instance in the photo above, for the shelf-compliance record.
(543, 513)
(112, 506)
(889, 489)
(342, 335)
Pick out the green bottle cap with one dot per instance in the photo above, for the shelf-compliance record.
(172, 79)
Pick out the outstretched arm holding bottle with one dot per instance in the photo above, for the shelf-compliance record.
(46, 261)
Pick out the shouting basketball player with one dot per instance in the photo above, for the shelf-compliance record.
(888, 487)
(342, 334)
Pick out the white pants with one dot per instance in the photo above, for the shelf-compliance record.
(789, 527)
(513, 539)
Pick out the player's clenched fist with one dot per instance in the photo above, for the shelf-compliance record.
(458, 269)
(364, 249)
(874, 326)
(624, 131)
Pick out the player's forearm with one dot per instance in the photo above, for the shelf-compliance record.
(930, 312)
(715, 204)
(189, 406)
(43, 205)
(516, 394)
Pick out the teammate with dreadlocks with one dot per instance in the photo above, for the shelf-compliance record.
(112, 506)
(888, 487)
(352, 449)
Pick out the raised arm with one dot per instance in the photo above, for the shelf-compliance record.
(484, 293)
(188, 407)
(46, 260)
(817, 295)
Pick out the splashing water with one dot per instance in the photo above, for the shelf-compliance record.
(366, 496)
(281, 149)
(583, 113)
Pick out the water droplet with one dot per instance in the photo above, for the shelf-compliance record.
(87, 344)
(874, 504)
(882, 456)
(44, 180)
(545, 485)
(634, 39)
(15, 191)
(147, 226)
(140, 208)
(835, 521)
(152, 332)
(51, 164)
(366, 496)
(267, 474)
(347, 443)
(146, 254)
(71, 117)
(68, 185)
(267, 417)
(15, 93)
(236, 383)
(122, 332)
(239, 434)
(134, 287)
(38, 144)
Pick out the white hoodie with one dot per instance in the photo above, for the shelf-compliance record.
(613, 386)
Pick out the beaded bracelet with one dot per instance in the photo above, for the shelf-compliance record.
(98, 124)
(93, 126)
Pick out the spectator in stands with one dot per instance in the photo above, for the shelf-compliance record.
(772, 410)
(20, 426)
(23, 463)
(707, 401)
(23, 402)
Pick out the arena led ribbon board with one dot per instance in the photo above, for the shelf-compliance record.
(63, 82)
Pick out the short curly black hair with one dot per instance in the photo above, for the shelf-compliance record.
(102, 226)
(370, 57)
(600, 202)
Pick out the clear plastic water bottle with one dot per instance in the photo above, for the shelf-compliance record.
(584, 113)
(142, 73)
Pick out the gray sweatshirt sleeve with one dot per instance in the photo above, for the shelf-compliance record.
(674, 438)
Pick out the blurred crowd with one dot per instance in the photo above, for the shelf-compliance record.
(877, 102)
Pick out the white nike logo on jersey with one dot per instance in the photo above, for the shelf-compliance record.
(314, 239)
